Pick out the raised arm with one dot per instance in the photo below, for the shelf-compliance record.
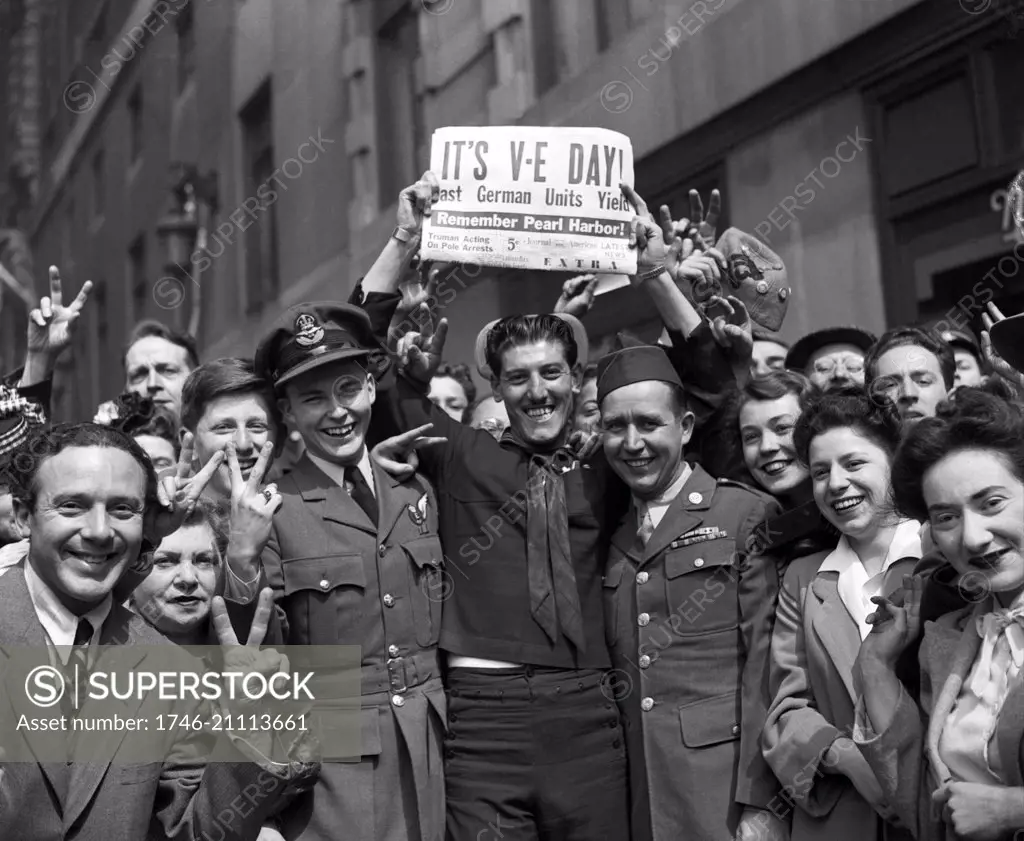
(414, 203)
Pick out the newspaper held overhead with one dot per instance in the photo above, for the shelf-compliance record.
(522, 197)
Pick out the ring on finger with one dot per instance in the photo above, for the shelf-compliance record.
(268, 495)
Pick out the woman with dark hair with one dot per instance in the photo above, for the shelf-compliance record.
(847, 442)
(750, 440)
(951, 762)
(588, 412)
(754, 441)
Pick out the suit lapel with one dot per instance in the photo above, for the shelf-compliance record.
(336, 505)
(686, 512)
(836, 629)
(625, 537)
(95, 750)
(24, 639)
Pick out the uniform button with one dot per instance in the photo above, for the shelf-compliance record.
(641, 577)
(381, 550)
(647, 704)
(398, 700)
(762, 287)
(643, 619)
(645, 661)
(695, 498)
(699, 562)
(324, 583)
(389, 600)
(392, 651)
(735, 730)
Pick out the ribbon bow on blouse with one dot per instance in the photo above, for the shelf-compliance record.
(1002, 636)
(554, 596)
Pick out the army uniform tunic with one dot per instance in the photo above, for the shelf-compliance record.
(688, 619)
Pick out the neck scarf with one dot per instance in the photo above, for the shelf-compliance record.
(993, 628)
(554, 597)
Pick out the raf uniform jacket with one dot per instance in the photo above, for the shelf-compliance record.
(114, 796)
(344, 580)
(688, 619)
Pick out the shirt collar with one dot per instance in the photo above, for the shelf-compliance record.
(905, 543)
(336, 472)
(60, 623)
(667, 497)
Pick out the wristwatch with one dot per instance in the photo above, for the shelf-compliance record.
(402, 234)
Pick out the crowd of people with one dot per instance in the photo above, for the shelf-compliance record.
(716, 587)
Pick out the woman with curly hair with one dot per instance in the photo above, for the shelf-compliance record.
(950, 760)
(847, 443)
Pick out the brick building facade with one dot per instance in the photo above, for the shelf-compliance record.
(867, 142)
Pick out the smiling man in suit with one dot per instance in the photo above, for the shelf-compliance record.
(83, 494)
(354, 559)
(688, 616)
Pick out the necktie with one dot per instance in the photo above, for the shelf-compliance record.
(646, 528)
(554, 596)
(361, 493)
(76, 670)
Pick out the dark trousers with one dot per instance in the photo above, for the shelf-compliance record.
(534, 754)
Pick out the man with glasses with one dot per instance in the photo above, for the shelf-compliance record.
(833, 358)
(354, 559)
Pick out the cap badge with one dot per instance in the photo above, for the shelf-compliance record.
(307, 331)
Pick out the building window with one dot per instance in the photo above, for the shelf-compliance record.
(101, 309)
(135, 120)
(137, 276)
(99, 198)
(400, 111)
(98, 33)
(186, 44)
(261, 259)
(544, 20)
(68, 244)
(612, 20)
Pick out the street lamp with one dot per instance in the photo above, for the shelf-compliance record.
(182, 230)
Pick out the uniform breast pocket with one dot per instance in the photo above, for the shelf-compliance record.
(319, 590)
(431, 585)
(612, 580)
(701, 587)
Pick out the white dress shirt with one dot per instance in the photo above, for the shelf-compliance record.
(60, 623)
(855, 586)
(337, 471)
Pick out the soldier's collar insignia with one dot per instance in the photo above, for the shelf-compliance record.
(307, 331)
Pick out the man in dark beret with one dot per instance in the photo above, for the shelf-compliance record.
(354, 559)
(689, 610)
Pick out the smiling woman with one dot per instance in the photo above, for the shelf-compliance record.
(187, 572)
(847, 442)
(950, 759)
